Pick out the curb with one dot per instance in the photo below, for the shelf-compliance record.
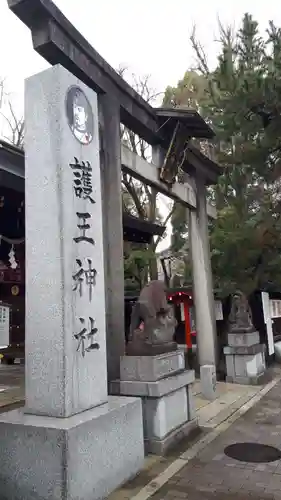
(11, 404)
(153, 486)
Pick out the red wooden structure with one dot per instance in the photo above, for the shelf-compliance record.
(183, 298)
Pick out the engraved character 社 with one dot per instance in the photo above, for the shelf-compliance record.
(85, 337)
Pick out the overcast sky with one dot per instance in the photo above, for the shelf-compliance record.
(149, 36)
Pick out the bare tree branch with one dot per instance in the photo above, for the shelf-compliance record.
(165, 222)
(200, 54)
(202, 63)
(16, 126)
(2, 80)
(144, 197)
(122, 70)
(133, 193)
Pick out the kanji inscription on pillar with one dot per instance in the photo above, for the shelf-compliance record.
(83, 225)
(85, 275)
(66, 323)
(82, 182)
(84, 278)
(86, 336)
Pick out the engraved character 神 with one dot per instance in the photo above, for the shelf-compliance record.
(87, 275)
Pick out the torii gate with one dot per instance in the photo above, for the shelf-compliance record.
(57, 40)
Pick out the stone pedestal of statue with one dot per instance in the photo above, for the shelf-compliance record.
(146, 348)
(166, 391)
(245, 359)
(244, 354)
(154, 369)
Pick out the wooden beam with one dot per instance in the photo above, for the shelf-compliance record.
(59, 42)
(148, 173)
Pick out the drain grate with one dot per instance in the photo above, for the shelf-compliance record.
(253, 452)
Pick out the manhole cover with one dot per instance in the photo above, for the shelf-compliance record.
(252, 452)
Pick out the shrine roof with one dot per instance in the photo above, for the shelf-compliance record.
(191, 125)
(194, 124)
(140, 231)
(12, 152)
(134, 229)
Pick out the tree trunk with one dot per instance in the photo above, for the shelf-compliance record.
(153, 271)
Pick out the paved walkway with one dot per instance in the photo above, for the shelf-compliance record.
(229, 397)
(203, 471)
(212, 415)
(212, 475)
(11, 386)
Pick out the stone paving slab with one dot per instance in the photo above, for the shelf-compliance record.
(226, 395)
(11, 396)
(11, 385)
(229, 398)
(213, 475)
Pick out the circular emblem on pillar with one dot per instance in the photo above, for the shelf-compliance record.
(79, 115)
(15, 290)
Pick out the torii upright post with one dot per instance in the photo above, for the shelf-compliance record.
(203, 291)
(110, 150)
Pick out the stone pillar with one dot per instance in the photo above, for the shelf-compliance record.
(71, 440)
(203, 291)
(113, 232)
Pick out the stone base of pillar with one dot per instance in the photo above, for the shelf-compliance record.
(85, 456)
(245, 359)
(168, 411)
(208, 378)
(249, 380)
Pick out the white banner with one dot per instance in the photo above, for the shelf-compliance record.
(218, 310)
(267, 313)
(4, 326)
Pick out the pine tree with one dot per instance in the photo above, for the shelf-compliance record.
(242, 101)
